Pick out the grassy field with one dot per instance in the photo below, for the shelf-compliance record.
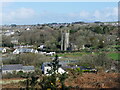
(75, 54)
(114, 56)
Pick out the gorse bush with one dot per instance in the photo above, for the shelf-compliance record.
(96, 60)
(52, 81)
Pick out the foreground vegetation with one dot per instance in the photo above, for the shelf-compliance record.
(74, 79)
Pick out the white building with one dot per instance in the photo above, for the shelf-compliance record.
(24, 50)
(11, 68)
(50, 54)
(3, 50)
(16, 67)
(42, 47)
(9, 32)
(45, 68)
(28, 69)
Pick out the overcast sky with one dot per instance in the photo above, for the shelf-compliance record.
(60, 12)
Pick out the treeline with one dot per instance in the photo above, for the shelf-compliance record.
(94, 35)
(27, 59)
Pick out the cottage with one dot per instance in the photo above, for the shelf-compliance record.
(45, 68)
(24, 50)
(42, 47)
(11, 68)
(3, 50)
(21, 46)
(43, 53)
(9, 32)
(50, 54)
(16, 67)
(14, 41)
(28, 29)
(28, 68)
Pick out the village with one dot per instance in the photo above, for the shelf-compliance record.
(92, 47)
(59, 45)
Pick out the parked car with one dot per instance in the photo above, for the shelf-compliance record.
(88, 69)
(83, 68)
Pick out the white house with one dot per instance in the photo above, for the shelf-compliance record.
(45, 68)
(9, 32)
(16, 67)
(10, 68)
(15, 41)
(41, 47)
(24, 50)
(3, 50)
(50, 54)
(27, 29)
(25, 46)
(28, 69)
(43, 53)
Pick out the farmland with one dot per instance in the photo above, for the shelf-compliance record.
(86, 80)
(114, 56)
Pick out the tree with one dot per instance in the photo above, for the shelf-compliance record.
(54, 80)
(6, 41)
(13, 25)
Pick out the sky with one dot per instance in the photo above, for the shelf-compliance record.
(58, 12)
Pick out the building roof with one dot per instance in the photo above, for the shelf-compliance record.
(46, 63)
(12, 67)
(28, 68)
(1, 48)
(24, 50)
(62, 62)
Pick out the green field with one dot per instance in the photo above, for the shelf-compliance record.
(114, 56)
(75, 54)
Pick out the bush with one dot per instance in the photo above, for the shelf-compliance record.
(97, 60)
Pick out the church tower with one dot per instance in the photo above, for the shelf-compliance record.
(64, 40)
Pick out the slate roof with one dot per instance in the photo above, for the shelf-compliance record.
(1, 49)
(25, 50)
(61, 62)
(12, 67)
(46, 63)
(28, 68)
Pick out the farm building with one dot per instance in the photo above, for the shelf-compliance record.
(16, 67)
(24, 50)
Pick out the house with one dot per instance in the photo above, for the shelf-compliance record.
(24, 50)
(50, 54)
(45, 68)
(15, 41)
(27, 29)
(42, 47)
(3, 50)
(48, 68)
(25, 46)
(43, 53)
(11, 68)
(16, 67)
(9, 32)
(28, 69)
